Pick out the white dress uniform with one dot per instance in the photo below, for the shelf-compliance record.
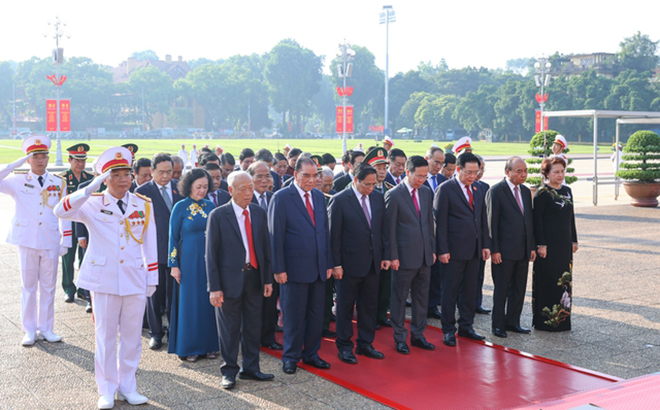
(120, 263)
(193, 157)
(183, 154)
(39, 235)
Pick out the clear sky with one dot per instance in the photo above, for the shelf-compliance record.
(465, 33)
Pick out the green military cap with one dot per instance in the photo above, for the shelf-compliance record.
(131, 147)
(319, 161)
(78, 151)
(375, 156)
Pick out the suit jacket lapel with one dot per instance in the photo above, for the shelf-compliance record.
(231, 216)
(299, 203)
(509, 194)
(407, 197)
(459, 188)
(156, 194)
(358, 207)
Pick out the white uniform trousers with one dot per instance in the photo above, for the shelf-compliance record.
(117, 315)
(38, 272)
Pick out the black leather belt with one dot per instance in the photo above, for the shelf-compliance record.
(248, 267)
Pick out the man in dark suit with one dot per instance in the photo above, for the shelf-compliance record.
(435, 157)
(482, 263)
(345, 164)
(509, 206)
(141, 173)
(302, 261)
(260, 172)
(356, 224)
(164, 194)
(279, 171)
(342, 182)
(397, 168)
(239, 271)
(410, 245)
(218, 195)
(462, 239)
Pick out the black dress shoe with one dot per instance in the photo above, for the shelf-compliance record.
(279, 329)
(333, 318)
(370, 352)
(518, 329)
(449, 339)
(228, 382)
(258, 376)
(155, 344)
(482, 310)
(289, 367)
(499, 332)
(402, 348)
(318, 363)
(385, 323)
(422, 343)
(377, 326)
(88, 308)
(471, 334)
(68, 299)
(329, 334)
(434, 313)
(347, 356)
(273, 346)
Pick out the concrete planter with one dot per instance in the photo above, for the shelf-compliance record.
(643, 194)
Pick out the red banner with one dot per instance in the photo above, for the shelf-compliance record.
(340, 119)
(538, 122)
(65, 115)
(349, 119)
(51, 115)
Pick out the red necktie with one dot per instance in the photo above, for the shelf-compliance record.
(215, 198)
(419, 214)
(310, 210)
(250, 240)
(515, 189)
(397, 181)
(469, 191)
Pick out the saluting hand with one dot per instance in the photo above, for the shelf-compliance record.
(216, 298)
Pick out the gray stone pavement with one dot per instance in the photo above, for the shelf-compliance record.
(616, 319)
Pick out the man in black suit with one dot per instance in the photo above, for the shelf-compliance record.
(211, 159)
(342, 182)
(397, 168)
(141, 173)
(345, 164)
(410, 245)
(510, 219)
(462, 238)
(239, 271)
(218, 195)
(227, 164)
(246, 158)
(302, 261)
(278, 170)
(164, 194)
(435, 157)
(260, 173)
(264, 155)
(329, 160)
(356, 224)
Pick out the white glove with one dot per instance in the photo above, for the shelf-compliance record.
(96, 183)
(20, 161)
(151, 289)
(63, 250)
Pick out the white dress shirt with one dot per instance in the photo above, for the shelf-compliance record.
(511, 187)
(168, 191)
(359, 196)
(302, 195)
(241, 225)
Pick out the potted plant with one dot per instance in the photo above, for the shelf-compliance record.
(641, 169)
(534, 178)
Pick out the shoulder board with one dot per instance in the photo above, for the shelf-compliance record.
(327, 195)
(59, 176)
(146, 198)
(88, 174)
(20, 172)
(62, 174)
(388, 185)
(97, 194)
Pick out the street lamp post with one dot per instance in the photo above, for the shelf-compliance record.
(345, 69)
(542, 78)
(58, 52)
(386, 17)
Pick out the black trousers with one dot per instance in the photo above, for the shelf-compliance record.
(510, 279)
(269, 316)
(329, 302)
(480, 283)
(239, 323)
(364, 291)
(435, 286)
(384, 294)
(459, 286)
(160, 301)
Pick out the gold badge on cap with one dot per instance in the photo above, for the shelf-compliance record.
(118, 156)
(37, 142)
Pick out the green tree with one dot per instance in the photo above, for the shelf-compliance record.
(476, 110)
(293, 75)
(152, 86)
(521, 66)
(435, 113)
(145, 55)
(639, 53)
(402, 86)
(6, 81)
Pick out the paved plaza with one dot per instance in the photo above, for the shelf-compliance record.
(616, 323)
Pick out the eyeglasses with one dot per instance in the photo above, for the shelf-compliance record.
(260, 177)
(309, 176)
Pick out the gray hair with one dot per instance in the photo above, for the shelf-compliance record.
(236, 175)
(508, 166)
(177, 160)
(252, 169)
(327, 172)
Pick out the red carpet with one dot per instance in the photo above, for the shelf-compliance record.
(473, 375)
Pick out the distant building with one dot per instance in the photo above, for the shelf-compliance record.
(187, 109)
(575, 64)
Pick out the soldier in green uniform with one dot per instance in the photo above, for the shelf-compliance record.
(73, 177)
(377, 158)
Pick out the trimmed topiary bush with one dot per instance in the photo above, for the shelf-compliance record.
(534, 177)
(642, 162)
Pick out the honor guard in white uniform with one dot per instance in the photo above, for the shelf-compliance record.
(40, 237)
(120, 269)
